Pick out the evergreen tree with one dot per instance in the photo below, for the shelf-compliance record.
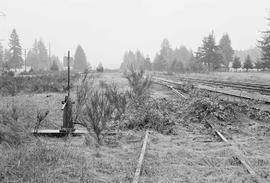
(57, 61)
(209, 53)
(54, 66)
(15, 49)
(43, 56)
(136, 60)
(38, 57)
(32, 58)
(177, 66)
(236, 63)
(159, 63)
(80, 62)
(248, 63)
(259, 65)
(100, 67)
(264, 45)
(148, 64)
(183, 54)
(226, 49)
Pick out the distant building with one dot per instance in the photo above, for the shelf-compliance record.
(20, 70)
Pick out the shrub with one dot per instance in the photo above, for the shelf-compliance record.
(97, 113)
(12, 130)
(100, 67)
(152, 114)
(117, 99)
(138, 82)
(56, 82)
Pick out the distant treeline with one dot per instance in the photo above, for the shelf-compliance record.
(38, 58)
(208, 57)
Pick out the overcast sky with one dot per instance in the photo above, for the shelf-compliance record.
(107, 28)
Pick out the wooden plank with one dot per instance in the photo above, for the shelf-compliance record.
(139, 166)
(236, 150)
(172, 88)
(178, 93)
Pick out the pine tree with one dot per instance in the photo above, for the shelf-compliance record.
(54, 66)
(226, 49)
(209, 53)
(177, 66)
(80, 62)
(259, 65)
(100, 67)
(32, 58)
(264, 45)
(248, 63)
(38, 57)
(159, 63)
(15, 49)
(43, 56)
(236, 63)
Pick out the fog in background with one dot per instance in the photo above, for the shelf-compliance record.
(106, 29)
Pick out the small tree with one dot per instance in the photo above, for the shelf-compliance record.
(264, 45)
(100, 67)
(80, 61)
(54, 66)
(98, 112)
(15, 49)
(259, 64)
(248, 63)
(138, 82)
(236, 63)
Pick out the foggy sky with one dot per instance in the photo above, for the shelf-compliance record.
(107, 28)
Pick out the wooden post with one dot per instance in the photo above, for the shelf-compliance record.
(68, 73)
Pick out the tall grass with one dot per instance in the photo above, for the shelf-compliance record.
(56, 82)
(12, 130)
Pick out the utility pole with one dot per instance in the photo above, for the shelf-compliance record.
(25, 60)
(50, 54)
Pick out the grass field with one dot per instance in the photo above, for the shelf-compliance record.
(191, 154)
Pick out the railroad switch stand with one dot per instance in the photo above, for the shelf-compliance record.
(67, 116)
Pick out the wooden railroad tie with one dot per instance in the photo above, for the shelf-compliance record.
(238, 153)
(139, 166)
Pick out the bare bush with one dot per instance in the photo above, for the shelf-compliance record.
(95, 107)
(41, 115)
(82, 91)
(97, 113)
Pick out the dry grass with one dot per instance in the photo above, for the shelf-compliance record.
(193, 155)
(48, 160)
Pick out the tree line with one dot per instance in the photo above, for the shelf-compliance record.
(210, 56)
(37, 58)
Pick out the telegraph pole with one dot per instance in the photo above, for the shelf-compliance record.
(25, 60)
(50, 54)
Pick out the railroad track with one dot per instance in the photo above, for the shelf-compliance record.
(213, 88)
(255, 87)
(233, 145)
